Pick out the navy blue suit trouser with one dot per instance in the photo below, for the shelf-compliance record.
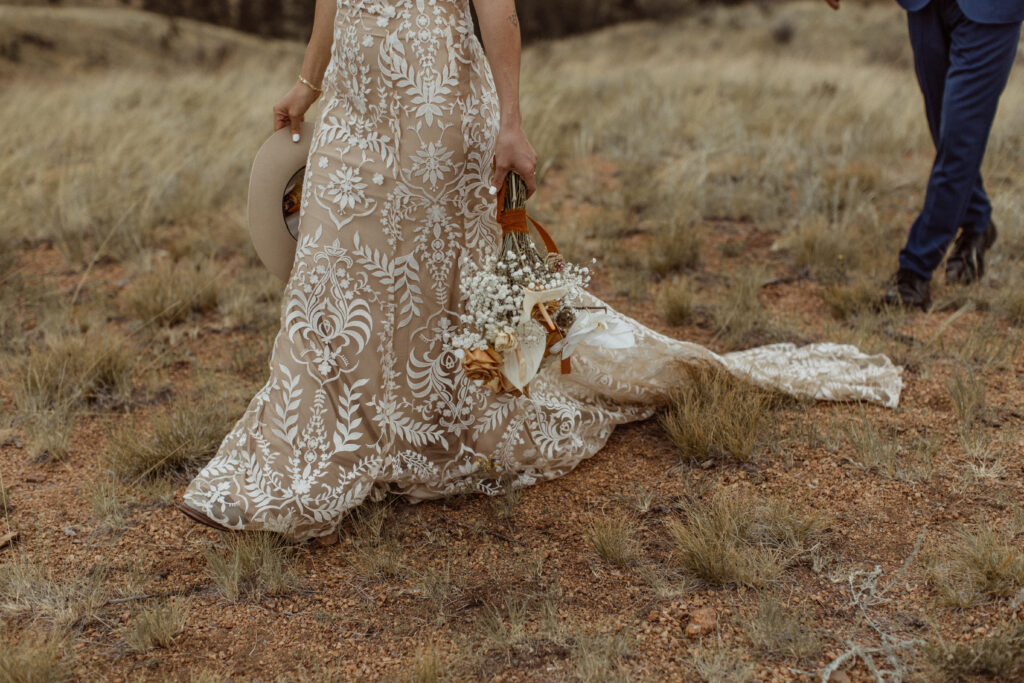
(962, 67)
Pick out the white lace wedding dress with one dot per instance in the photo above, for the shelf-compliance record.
(365, 395)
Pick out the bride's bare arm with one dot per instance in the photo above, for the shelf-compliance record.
(499, 26)
(290, 109)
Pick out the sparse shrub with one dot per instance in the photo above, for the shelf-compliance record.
(250, 565)
(677, 302)
(173, 291)
(734, 541)
(612, 536)
(997, 656)
(740, 311)
(715, 415)
(968, 397)
(181, 441)
(157, 625)
(33, 657)
(977, 566)
(783, 631)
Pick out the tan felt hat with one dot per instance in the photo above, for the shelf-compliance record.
(275, 196)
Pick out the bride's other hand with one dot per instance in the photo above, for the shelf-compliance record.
(290, 109)
(513, 152)
(834, 4)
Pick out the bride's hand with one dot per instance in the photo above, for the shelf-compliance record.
(290, 109)
(513, 152)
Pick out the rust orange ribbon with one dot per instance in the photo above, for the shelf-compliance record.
(517, 221)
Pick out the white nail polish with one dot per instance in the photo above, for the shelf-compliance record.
(493, 190)
(295, 137)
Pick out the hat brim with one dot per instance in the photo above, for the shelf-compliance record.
(278, 160)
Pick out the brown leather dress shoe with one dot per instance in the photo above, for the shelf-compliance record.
(966, 263)
(197, 516)
(909, 290)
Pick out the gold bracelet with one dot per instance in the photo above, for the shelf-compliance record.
(305, 82)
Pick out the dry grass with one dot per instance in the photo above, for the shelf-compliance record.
(844, 301)
(105, 497)
(715, 415)
(377, 552)
(427, 667)
(741, 541)
(678, 301)
(29, 589)
(155, 626)
(53, 383)
(173, 291)
(874, 448)
(718, 664)
(740, 311)
(976, 566)
(677, 248)
(33, 657)
(613, 538)
(598, 657)
(97, 189)
(249, 566)
(73, 370)
(784, 631)
(179, 441)
(968, 397)
(997, 656)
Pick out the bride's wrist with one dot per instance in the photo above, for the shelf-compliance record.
(511, 122)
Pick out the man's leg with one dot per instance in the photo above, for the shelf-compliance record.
(979, 210)
(929, 39)
(980, 58)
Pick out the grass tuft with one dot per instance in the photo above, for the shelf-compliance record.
(72, 371)
(968, 397)
(678, 302)
(172, 292)
(157, 625)
(181, 441)
(715, 415)
(427, 667)
(998, 656)
(612, 536)
(977, 566)
(740, 312)
(250, 566)
(718, 664)
(33, 657)
(780, 631)
(678, 248)
(733, 541)
(598, 658)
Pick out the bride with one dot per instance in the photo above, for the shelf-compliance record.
(366, 395)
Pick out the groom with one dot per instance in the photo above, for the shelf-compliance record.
(963, 51)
